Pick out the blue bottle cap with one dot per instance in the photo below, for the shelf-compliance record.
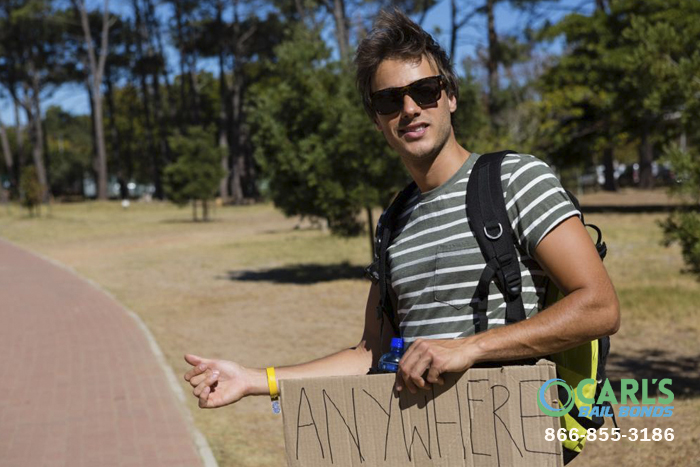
(397, 342)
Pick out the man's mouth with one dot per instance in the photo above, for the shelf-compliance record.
(413, 131)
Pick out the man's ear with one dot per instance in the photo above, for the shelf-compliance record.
(377, 125)
(452, 100)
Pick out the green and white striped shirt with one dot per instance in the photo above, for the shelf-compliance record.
(435, 261)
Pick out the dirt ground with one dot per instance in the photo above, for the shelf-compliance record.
(251, 287)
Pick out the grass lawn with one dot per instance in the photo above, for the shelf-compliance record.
(250, 287)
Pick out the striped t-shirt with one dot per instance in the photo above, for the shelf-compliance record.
(435, 262)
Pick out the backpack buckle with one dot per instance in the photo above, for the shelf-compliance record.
(513, 283)
(511, 278)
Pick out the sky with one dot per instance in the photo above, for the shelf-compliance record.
(74, 98)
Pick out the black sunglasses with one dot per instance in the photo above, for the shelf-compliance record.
(426, 91)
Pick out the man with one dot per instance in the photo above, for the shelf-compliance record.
(410, 91)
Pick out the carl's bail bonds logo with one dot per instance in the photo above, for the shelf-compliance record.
(645, 406)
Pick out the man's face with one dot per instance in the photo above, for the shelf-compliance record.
(417, 133)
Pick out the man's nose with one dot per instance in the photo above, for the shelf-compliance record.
(409, 106)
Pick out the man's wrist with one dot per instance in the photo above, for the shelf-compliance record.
(257, 382)
(476, 348)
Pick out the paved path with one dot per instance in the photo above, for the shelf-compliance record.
(80, 385)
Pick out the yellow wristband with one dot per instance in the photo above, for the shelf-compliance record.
(274, 391)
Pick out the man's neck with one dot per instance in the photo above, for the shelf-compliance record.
(439, 170)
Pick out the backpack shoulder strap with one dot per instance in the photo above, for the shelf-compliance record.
(488, 219)
(600, 245)
(377, 271)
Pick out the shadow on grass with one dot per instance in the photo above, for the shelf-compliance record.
(683, 370)
(190, 221)
(302, 274)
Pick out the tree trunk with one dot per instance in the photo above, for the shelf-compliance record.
(195, 101)
(194, 210)
(101, 149)
(33, 110)
(97, 67)
(301, 10)
(237, 162)
(142, 35)
(493, 58)
(155, 31)
(92, 129)
(150, 137)
(238, 165)
(370, 229)
(250, 189)
(608, 161)
(7, 152)
(646, 157)
(47, 160)
(120, 169)
(162, 126)
(19, 139)
(222, 122)
(205, 210)
(181, 49)
(38, 155)
(342, 28)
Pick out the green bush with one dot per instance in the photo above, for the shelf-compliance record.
(684, 227)
(30, 188)
(197, 171)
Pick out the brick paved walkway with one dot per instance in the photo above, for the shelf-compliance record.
(80, 386)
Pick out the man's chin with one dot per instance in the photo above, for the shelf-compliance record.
(419, 157)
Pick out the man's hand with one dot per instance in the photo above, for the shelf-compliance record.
(436, 356)
(216, 382)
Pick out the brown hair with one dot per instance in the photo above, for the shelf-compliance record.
(395, 36)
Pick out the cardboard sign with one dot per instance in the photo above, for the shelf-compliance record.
(483, 417)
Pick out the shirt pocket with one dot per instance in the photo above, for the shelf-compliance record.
(453, 270)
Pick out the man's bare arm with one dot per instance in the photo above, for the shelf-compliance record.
(353, 361)
(589, 310)
(220, 382)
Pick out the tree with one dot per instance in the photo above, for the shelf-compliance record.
(148, 67)
(661, 54)
(96, 72)
(320, 154)
(36, 58)
(238, 46)
(195, 174)
(498, 51)
(615, 82)
(117, 69)
(579, 94)
(471, 120)
(71, 149)
(670, 61)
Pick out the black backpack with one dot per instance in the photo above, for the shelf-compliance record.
(488, 220)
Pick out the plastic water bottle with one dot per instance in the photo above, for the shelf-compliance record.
(389, 362)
